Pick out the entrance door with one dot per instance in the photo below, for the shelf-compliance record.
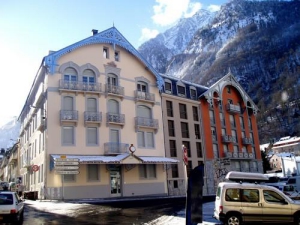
(115, 181)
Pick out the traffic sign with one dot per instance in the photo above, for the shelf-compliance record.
(66, 167)
(67, 171)
(66, 163)
(66, 159)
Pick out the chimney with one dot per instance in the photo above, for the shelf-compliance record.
(94, 32)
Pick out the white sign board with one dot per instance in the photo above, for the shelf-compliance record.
(67, 171)
(66, 163)
(66, 167)
(66, 159)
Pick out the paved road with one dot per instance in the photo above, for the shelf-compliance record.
(146, 213)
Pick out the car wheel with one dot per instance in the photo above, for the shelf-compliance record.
(233, 219)
(297, 219)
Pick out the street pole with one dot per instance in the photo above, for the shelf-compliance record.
(62, 185)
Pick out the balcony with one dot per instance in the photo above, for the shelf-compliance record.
(231, 108)
(113, 90)
(41, 120)
(114, 148)
(114, 118)
(239, 155)
(39, 96)
(146, 123)
(78, 86)
(228, 139)
(247, 141)
(68, 116)
(92, 118)
(144, 97)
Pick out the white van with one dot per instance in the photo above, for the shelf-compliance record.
(242, 199)
(295, 181)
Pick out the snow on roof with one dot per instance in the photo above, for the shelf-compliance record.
(286, 140)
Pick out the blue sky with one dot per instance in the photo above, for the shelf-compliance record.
(29, 29)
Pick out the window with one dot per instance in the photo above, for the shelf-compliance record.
(216, 151)
(181, 90)
(117, 56)
(112, 80)
(188, 147)
(171, 128)
(189, 168)
(195, 113)
(193, 94)
(232, 195)
(147, 171)
(242, 122)
(212, 117)
(70, 75)
(228, 89)
(105, 53)
(232, 121)
(182, 111)
(213, 133)
(142, 87)
(272, 196)
(173, 151)
(69, 178)
(222, 120)
(233, 134)
(185, 130)
(197, 131)
(145, 139)
(250, 124)
(168, 87)
(199, 149)
(93, 172)
(169, 108)
(88, 77)
(68, 136)
(91, 105)
(174, 168)
(92, 136)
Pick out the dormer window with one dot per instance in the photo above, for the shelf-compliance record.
(181, 90)
(168, 87)
(105, 53)
(193, 94)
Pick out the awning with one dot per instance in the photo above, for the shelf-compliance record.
(117, 159)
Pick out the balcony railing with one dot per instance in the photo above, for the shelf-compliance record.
(115, 148)
(239, 155)
(68, 116)
(114, 118)
(247, 141)
(228, 139)
(144, 96)
(233, 108)
(146, 122)
(92, 117)
(114, 90)
(79, 86)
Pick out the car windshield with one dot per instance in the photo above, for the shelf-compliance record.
(6, 199)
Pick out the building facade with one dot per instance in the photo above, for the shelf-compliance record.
(92, 123)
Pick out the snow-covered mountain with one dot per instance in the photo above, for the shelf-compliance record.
(9, 133)
(258, 41)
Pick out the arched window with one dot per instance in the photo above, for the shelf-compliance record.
(144, 111)
(113, 106)
(112, 80)
(88, 76)
(70, 74)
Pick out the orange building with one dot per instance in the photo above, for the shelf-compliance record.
(229, 131)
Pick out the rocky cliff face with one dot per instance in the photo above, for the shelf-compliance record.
(258, 41)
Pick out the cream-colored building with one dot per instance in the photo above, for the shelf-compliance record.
(89, 103)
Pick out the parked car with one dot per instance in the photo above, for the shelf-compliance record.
(11, 207)
(243, 199)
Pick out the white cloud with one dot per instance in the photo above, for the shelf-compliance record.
(213, 8)
(168, 12)
(148, 34)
